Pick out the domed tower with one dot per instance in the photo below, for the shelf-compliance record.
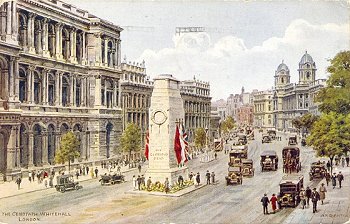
(282, 76)
(307, 69)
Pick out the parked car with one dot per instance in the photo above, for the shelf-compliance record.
(272, 134)
(318, 170)
(66, 182)
(247, 168)
(290, 186)
(268, 160)
(234, 175)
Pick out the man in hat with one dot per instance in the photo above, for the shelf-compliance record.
(322, 193)
(265, 202)
(334, 180)
(315, 196)
(340, 178)
(302, 196)
(208, 176)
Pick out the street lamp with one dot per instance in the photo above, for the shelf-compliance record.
(206, 136)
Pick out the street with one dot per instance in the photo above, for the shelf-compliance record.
(212, 204)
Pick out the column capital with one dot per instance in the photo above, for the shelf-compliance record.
(59, 25)
(45, 70)
(73, 29)
(32, 15)
(31, 68)
(46, 20)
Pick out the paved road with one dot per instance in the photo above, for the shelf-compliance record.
(212, 204)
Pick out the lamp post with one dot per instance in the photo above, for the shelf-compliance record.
(206, 143)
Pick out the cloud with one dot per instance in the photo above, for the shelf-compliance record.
(228, 64)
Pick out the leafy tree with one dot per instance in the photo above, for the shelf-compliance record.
(228, 124)
(330, 135)
(131, 139)
(306, 121)
(69, 149)
(336, 96)
(200, 137)
(297, 123)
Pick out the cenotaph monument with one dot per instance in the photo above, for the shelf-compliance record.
(166, 110)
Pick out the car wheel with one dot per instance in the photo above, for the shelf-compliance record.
(62, 189)
(77, 187)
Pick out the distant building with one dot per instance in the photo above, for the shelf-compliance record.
(263, 109)
(245, 115)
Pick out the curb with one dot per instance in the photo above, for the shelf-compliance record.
(31, 191)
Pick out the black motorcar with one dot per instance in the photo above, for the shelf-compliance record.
(66, 182)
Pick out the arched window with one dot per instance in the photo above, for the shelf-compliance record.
(65, 43)
(22, 85)
(23, 141)
(51, 144)
(52, 39)
(109, 131)
(109, 94)
(22, 30)
(65, 91)
(37, 88)
(79, 47)
(51, 89)
(37, 36)
(110, 54)
(308, 75)
(37, 147)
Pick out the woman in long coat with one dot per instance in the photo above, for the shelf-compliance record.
(322, 191)
(273, 201)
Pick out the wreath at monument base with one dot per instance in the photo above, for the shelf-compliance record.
(159, 187)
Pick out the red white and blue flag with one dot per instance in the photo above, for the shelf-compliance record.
(184, 144)
(177, 145)
(147, 145)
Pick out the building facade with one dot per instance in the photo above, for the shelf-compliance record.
(245, 115)
(263, 109)
(197, 105)
(60, 71)
(291, 100)
(136, 90)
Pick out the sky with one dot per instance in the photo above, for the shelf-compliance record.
(243, 44)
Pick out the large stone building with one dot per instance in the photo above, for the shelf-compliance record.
(60, 71)
(136, 90)
(197, 105)
(263, 109)
(291, 100)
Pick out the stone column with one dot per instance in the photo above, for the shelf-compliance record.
(114, 101)
(16, 76)
(105, 92)
(30, 85)
(12, 148)
(58, 30)
(45, 38)
(45, 86)
(105, 62)
(31, 33)
(72, 90)
(10, 79)
(57, 140)
(14, 21)
(73, 39)
(30, 149)
(83, 61)
(98, 91)
(44, 149)
(57, 89)
(39, 43)
(118, 52)
(9, 22)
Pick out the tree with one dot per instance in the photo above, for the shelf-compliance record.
(227, 125)
(69, 149)
(336, 96)
(330, 135)
(200, 137)
(306, 121)
(131, 139)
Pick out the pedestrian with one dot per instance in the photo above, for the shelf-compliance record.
(96, 172)
(198, 178)
(18, 182)
(92, 173)
(265, 202)
(166, 185)
(213, 177)
(139, 180)
(215, 155)
(190, 176)
(45, 182)
(328, 178)
(87, 170)
(30, 176)
(143, 181)
(118, 168)
(33, 175)
(322, 193)
(180, 181)
(334, 180)
(336, 160)
(134, 182)
(347, 159)
(139, 167)
(302, 196)
(77, 173)
(315, 196)
(51, 181)
(328, 166)
(208, 176)
(340, 178)
(273, 201)
(149, 183)
(308, 195)
(342, 161)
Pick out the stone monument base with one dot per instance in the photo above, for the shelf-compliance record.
(172, 174)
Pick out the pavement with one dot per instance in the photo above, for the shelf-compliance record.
(336, 207)
(9, 189)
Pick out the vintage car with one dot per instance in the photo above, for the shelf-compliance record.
(303, 142)
(261, 130)
(247, 168)
(272, 134)
(107, 179)
(238, 151)
(268, 160)
(66, 182)
(291, 159)
(290, 187)
(234, 175)
(318, 170)
(266, 139)
(292, 140)
(242, 139)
